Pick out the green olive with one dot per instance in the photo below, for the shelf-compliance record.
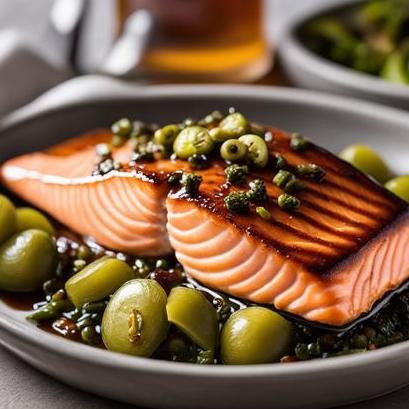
(257, 149)
(233, 126)
(399, 186)
(27, 260)
(135, 320)
(233, 150)
(98, 280)
(189, 310)
(28, 218)
(366, 160)
(255, 335)
(166, 135)
(193, 140)
(8, 220)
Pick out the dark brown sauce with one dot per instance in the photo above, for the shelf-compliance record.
(21, 301)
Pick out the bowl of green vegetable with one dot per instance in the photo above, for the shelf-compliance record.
(352, 48)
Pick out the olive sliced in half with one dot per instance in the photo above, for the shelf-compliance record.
(193, 140)
(257, 149)
(98, 280)
(193, 314)
(134, 320)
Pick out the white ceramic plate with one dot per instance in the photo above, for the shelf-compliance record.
(307, 69)
(333, 122)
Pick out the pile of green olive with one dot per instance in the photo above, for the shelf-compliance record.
(370, 162)
(139, 314)
(233, 137)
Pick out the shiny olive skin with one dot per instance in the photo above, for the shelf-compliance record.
(141, 298)
(193, 140)
(166, 135)
(399, 186)
(193, 314)
(28, 218)
(257, 149)
(8, 219)
(233, 150)
(27, 260)
(368, 161)
(98, 280)
(255, 335)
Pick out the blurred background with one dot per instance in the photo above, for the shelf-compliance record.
(45, 42)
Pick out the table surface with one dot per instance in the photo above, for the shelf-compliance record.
(24, 387)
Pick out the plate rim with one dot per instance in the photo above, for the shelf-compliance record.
(41, 339)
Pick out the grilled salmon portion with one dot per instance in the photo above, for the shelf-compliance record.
(329, 261)
(123, 211)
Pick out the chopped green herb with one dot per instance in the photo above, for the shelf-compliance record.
(191, 182)
(237, 202)
(288, 202)
(311, 171)
(263, 213)
(298, 142)
(257, 192)
(236, 173)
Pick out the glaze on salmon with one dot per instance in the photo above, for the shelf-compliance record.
(329, 261)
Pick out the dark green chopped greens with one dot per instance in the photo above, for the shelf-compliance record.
(257, 192)
(371, 37)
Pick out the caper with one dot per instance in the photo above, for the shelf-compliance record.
(98, 280)
(27, 259)
(257, 192)
(237, 202)
(135, 320)
(236, 174)
(279, 161)
(288, 202)
(198, 161)
(298, 142)
(282, 178)
(166, 135)
(190, 311)
(233, 150)
(191, 182)
(257, 149)
(368, 161)
(123, 127)
(89, 335)
(399, 186)
(255, 335)
(311, 171)
(8, 219)
(263, 213)
(28, 218)
(193, 140)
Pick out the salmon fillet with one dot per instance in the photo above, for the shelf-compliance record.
(123, 211)
(328, 262)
